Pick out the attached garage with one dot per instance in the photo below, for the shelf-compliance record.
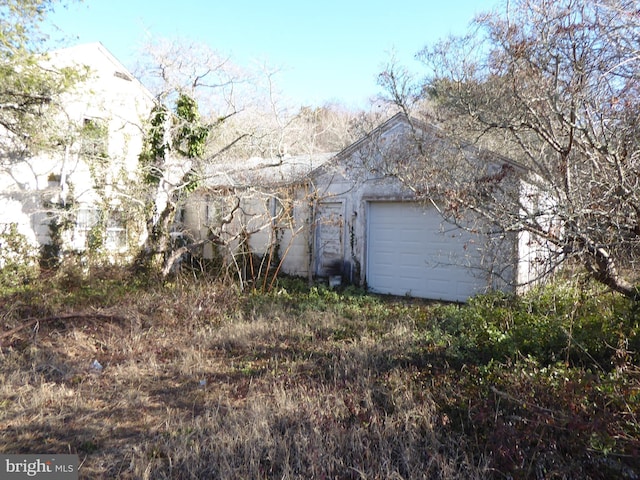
(350, 215)
(412, 251)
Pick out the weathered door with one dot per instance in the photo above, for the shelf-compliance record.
(329, 238)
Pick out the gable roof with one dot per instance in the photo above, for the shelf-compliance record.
(85, 54)
(425, 132)
(396, 121)
(289, 170)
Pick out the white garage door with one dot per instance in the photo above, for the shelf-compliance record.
(411, 251)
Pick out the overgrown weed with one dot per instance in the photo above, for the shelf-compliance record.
(201, 381)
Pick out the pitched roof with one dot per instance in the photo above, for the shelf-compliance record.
(289, 170)
(424, 132)
(84, 54)
(257, 171)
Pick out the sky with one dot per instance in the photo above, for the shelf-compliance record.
(327, 51)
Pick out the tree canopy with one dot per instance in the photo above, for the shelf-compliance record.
(28, 87)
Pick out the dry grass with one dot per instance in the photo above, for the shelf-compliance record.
(198, 382)
(201, 382)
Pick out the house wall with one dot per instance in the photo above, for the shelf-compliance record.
(364, 176)
(111, 96)
(354, 203)
(295, 234)
(299, 235)
(269, 223)
(537, 256)
(325, 232)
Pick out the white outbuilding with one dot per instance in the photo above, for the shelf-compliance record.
(357, 218)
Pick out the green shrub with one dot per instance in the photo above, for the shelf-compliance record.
(580, 326)
(18, 258)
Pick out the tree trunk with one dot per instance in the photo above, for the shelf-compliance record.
(603, 268)
(151, 257)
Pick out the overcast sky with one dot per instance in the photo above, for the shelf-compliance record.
(327, 50)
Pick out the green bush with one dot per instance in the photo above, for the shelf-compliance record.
(18, 258)
(559, 322)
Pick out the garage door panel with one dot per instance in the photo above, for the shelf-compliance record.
(411, 251)
(440, 287)
(386, 236)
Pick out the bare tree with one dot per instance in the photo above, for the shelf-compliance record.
(209, 110)
(328, 128)
(554, 86)
(215, 120)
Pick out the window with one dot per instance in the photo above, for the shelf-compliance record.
(116, 232)
(86, 219)
(88, 229)
(95, 139)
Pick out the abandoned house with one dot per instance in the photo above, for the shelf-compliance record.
(351, 218)
(100, 137)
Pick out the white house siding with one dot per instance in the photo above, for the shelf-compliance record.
(537, 256)
(295, 237)
(259, 221)
(275, 201)
(109, 95)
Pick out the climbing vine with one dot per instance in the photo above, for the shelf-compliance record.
(155, 149)
(173, 135)
(62, 219)
(191, 135)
